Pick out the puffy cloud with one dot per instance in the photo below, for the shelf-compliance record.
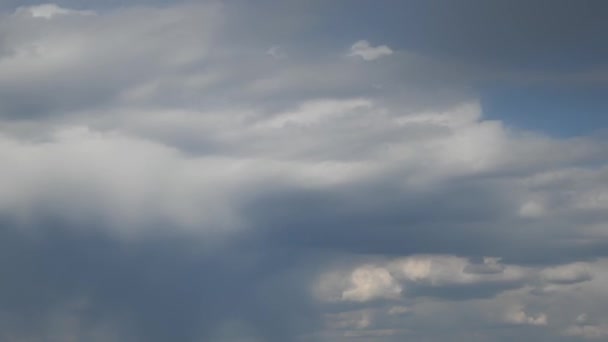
(368, 52)
(519, 316)
(365, 283)
(369, 283)
(447, 270)
(431, 275)
(48, 11)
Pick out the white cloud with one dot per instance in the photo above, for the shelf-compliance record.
(532, 209)
(130, 182)
(48, 11)
(308, 142)
(370, 282)
(582, 318)
(391, 280)
(567, 274)
(276, 52)
(368, 52)
(415, 268)
(318, 112)
(519, 316)
(450, 270)
(50, 60)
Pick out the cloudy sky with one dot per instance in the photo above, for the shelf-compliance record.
(323, 171)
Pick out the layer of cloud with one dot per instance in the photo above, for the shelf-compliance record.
(176, 179)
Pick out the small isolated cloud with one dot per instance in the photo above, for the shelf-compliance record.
(368, 52)
(370, 282)
(48, 11)
(276, 52)
(582, 318)
(532, 209)
(521, 317)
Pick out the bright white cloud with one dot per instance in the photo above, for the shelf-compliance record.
(48, 11)
(368, 52)
(519, 316)
(370, 282)
(449, 270)
(391, 280)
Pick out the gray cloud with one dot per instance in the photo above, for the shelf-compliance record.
(169, 179)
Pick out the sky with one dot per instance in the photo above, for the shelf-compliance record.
(315, 171)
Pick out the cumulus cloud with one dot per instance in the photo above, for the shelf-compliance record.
(48, 11)
(365, 50)
(519, 316)
(369, 283)
(430, 275)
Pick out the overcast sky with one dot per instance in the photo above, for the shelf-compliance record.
(323, 171)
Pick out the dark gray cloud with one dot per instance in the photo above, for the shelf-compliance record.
(152, 289)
